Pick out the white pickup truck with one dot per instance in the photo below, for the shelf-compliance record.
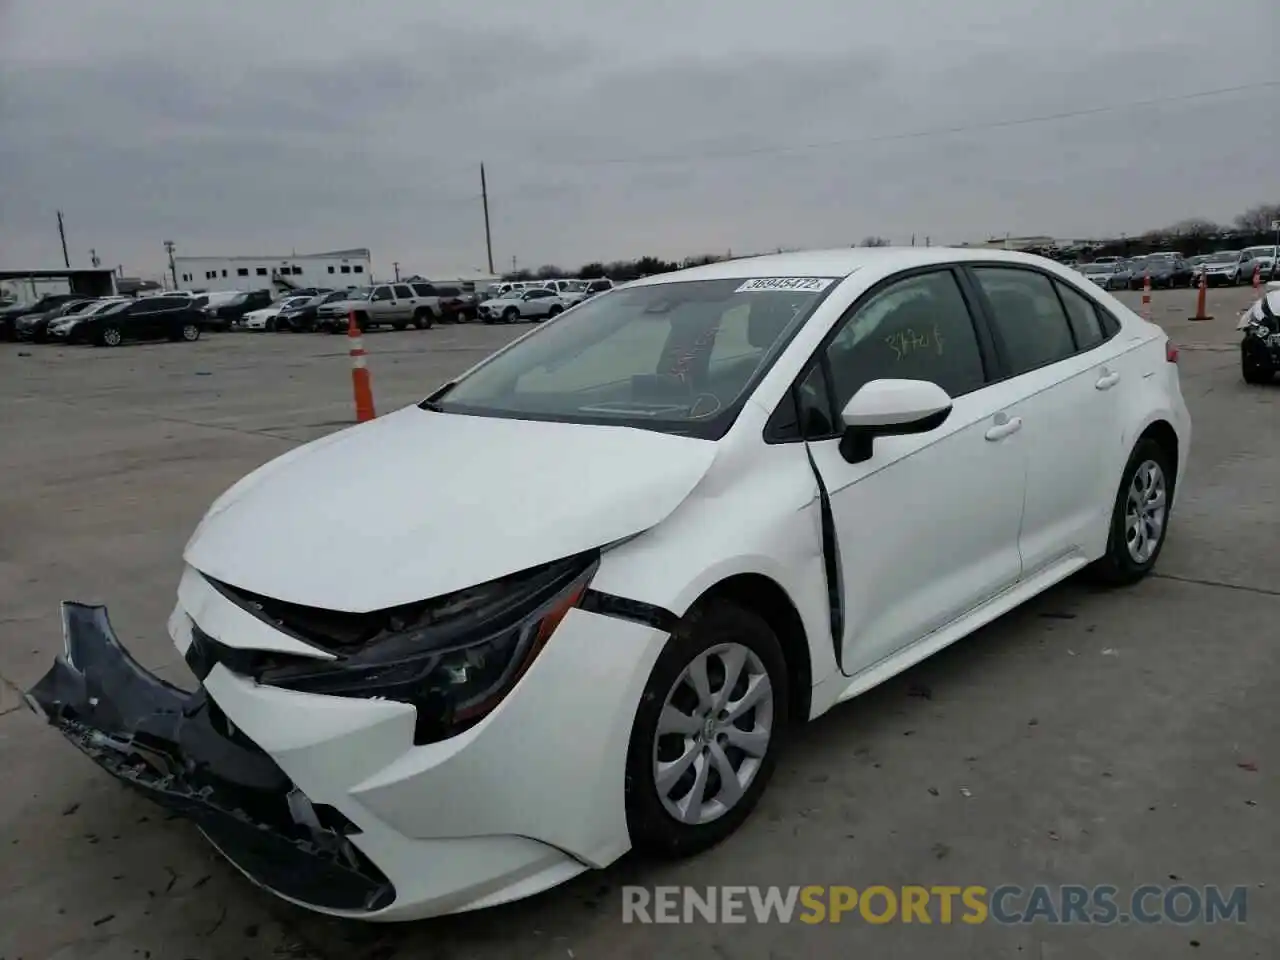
(395, 305)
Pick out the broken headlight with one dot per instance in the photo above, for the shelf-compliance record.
(453, 658)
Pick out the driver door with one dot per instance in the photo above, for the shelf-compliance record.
(927, 528)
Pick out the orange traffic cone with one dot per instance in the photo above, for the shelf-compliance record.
(359, 372)
(1200, 305)
(1146, 295)
(1257, 279)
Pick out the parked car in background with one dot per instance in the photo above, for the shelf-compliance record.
(599, 285)
(570, 291)
(453, 304)
(265, 318)
(302, 317)
(1226, 267)
(1264, 258)
(1106, 275)
(1193, 265)
(386, 304)
(60, 329)
(34, 327)
(1164, 272)
(535, 304)
(1108, 259)
(166, 317)
(11, 314)
(223, 312)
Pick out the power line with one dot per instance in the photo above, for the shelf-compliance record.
(920, 134)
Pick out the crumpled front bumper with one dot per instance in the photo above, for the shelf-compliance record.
(180, 750)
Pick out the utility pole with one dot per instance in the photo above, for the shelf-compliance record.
(395, 264)
(513, 263)
(62, 235)
(173, 269)
(488, 238)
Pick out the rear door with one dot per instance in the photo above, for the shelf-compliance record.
(1060, 359)
(405, 302)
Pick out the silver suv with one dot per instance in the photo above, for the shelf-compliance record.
(385, 304)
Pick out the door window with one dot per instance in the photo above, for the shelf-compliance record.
(403, 292)
(381, 293)
(1086, 326)
(918, 328)
(1027, 316)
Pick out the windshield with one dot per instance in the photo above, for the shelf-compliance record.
(1255, 252)
(676, 356)
(293, 302)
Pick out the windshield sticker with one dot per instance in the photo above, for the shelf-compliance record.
(786, 284)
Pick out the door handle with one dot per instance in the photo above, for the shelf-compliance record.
(1107, 381)
(1006, 429)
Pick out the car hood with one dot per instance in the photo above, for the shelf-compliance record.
(503, 302)
(418, 504)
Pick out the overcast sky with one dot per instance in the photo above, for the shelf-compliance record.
(616, 129)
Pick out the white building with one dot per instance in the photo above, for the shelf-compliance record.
(336, 269)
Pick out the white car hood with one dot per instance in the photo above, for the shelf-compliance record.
(417, 504)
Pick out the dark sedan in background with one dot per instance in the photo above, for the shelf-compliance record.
(223, 315)
(9, 316)
(302, 319)
(35, 326)
(1165, 270)
(150, 318)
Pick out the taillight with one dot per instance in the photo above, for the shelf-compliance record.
(1170, 351)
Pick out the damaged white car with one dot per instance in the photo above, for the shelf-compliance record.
(677, 522)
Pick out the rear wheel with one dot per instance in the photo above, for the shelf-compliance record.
(1140, 517)
(423, 319)
(190, 332)
(707, 732)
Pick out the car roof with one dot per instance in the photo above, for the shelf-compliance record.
(840, 263)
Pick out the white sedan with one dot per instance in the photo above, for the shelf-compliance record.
(693, 513)
(537, 303)
(265, 319)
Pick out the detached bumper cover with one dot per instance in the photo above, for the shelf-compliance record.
(177, 748)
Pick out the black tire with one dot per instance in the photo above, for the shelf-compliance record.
(511, 315)
(424, 319)
(1255, 364)
(190, 332)
(1117, 567)
(110, 336)
(654, 831)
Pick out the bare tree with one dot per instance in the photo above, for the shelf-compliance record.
(874, 242)
(1258, 219)
(1195, 228)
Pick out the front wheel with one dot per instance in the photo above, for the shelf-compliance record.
(111, 336)
(1140, 516)
(707, 732)
(190, 332)
(1255, 363)
(510, 315)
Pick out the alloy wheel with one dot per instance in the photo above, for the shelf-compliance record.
(190, 332)
(111, 337)
(713, 733)
(1146, 507)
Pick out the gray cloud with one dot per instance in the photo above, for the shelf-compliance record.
(616, 130)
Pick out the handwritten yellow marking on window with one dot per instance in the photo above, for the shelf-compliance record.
(908, 341)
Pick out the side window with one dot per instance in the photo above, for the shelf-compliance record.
(916, 329)
(381, 293)
(403, 292)
(1027, 316)
(242, 271)
(297, 271)
(262, 271)
(423, 289)
(1086, 326)
(331, 268)
(346, 268)
(357, 269)
(805, 412)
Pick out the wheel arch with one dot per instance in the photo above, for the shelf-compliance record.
(766, 598)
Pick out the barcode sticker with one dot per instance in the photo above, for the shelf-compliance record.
(786, 284)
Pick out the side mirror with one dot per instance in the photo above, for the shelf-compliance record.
(886, 408)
